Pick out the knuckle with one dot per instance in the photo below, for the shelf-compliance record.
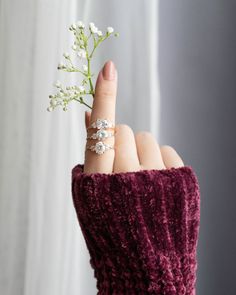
(105, 93)
(144, 135)
(123, 128)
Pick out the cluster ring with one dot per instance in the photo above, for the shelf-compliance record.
(100, 147)
(101, 124)
(101, 134)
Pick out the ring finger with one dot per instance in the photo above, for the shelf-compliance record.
(148, 151)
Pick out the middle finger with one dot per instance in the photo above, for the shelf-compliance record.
(126, 157)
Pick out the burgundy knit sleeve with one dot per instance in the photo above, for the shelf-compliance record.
(141, 229)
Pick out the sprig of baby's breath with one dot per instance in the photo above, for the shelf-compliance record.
(85, 44)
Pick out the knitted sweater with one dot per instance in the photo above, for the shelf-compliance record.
(141, 229)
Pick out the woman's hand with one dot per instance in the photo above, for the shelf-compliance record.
(132, 152)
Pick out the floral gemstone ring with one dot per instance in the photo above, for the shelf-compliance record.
(101, 134)
(100, 147)
(101, 124)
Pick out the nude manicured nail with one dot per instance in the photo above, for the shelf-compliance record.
(109, 71)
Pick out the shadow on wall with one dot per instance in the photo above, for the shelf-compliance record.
(197, 60)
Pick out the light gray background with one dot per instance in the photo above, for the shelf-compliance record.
(198, 104)
(42, 250)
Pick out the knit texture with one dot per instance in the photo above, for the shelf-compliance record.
(141, 229)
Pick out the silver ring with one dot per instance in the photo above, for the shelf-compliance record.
(100, 147)
(101, 124)
(101, 134)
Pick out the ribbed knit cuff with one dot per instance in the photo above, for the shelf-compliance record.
(141, 229)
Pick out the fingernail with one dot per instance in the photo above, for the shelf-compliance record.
(109, 71)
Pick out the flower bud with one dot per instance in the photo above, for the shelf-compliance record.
(57, 84)
(50, 109)
(81, 25)
(81, 53)
(110, 30)
(94, 30)
(61, 66)
(81, 88)
(53, 103)
(85, 68)
(66, 55)
(74, 26)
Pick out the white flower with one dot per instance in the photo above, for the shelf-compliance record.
(73, 26)
(110, 30)
(50, 109)
(94, 30)
(81, 88)
(99, 33)
(61, 66)
(81, 25)
(57, 84)
(53, 103)
(74, 47)
(85, 68)
(82, 53)
(66, 55)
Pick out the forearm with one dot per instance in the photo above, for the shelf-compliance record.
(141, 229)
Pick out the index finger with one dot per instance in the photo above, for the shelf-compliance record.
(104, 105)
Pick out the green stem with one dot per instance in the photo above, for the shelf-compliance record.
(89, 36)
(96, 45)
(81, 101)
(70, 61)
(91, 55)
(89, 77)
(89, 68)
(88, 93)
(74, 70)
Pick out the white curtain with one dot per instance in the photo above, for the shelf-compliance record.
(42, 250)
